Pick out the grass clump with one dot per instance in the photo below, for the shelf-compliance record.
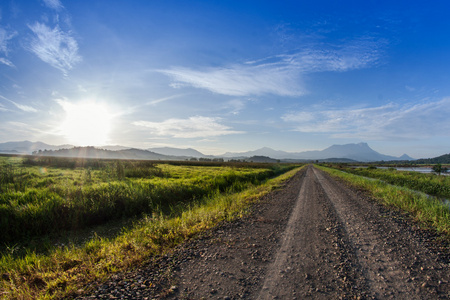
(428, 211)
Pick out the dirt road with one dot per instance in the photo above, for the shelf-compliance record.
(315, 238)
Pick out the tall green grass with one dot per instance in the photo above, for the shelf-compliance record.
(63, 271)
(431, 184)
(430, 212)
(36, 202)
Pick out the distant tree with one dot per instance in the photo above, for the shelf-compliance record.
(437, 168)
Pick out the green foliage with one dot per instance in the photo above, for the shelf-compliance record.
(168, 202)
(426, 183)
(12, 177)
(443, 159)
(438, 168)
(63, 270)
(40, 199)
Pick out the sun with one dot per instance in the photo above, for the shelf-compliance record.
(86, 123)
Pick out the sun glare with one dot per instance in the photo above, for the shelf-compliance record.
(86, 123)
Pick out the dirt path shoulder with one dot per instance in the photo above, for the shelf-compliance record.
(314, 238)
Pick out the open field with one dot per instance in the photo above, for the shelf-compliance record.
(47, 198)
(37, 198)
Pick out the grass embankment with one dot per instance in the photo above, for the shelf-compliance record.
(61, 272)
(431, 184)
(429, 212)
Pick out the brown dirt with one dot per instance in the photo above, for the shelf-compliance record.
(314, 238)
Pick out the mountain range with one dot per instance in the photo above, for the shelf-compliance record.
(350, 152)
(358, 152)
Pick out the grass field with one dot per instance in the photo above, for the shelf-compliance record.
(44, 200)
(431, 184)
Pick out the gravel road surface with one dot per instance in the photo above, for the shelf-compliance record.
(315, 238)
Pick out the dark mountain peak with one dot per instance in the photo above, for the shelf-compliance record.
(405, 157)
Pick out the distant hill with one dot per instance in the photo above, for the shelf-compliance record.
(339, 153)
(405, 157)
(443, 159)
(178, 151)
(27, 147)
(92, 152)
(265, 151)
(353, 152)
(113, 147)
(9, 152)
(261, 159)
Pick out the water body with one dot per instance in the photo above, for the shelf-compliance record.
(418, 169)
(423, 170)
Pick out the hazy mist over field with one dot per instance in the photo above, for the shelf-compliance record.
(227, 76)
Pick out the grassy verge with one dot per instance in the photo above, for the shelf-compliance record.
(62, 272)
(431, 184)
(429, 212)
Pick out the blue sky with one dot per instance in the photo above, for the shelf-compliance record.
(223, 76)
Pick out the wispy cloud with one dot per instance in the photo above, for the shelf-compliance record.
(193, 127)
(53, 4)
(357, 54)
(164, 99)
(281, 74)
(55, 47)
(154, 102)
(6, 62)
(391, 121)
(22, 107)
(5, 36)
(241, 80)
(235, 106)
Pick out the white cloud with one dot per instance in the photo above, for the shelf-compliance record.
(236, 106)
(5, 36)
(164, 99)
(6, 62)
(357, 54)
(53, 4)
(194, 127)
(55, 47)
(241, 80)
(391, 121)
(22, 107)
(281, 74)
